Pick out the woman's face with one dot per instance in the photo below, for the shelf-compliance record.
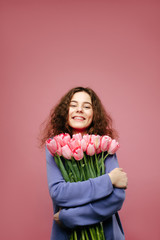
(80, 113)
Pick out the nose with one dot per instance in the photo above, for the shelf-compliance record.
(79, 108)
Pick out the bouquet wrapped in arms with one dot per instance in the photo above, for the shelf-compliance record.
(80, 158)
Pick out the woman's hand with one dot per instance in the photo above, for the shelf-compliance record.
(56, 217)
(118, 178)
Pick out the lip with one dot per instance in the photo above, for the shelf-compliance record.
(78, 118)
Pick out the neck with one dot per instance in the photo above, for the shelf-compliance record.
(79, 131)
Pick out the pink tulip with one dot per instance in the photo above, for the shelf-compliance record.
(52, 145)
(59, 149)
(63, 138)
(78, 153)
(98, 150)
(87, 138)
(66, 138)
(90, 149)
(66, 152)
(73, 143)
(105, 143)
(77, 136)
(114, 145)
(84, 145)
(96, 140)
(58, 139)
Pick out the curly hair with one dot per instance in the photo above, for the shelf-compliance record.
(57, 122)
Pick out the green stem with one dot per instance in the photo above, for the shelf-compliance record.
(72, 170)
(71, 237)
(91, 174)
(98, 233)
(106, 156)
(76, 170)
(75, 235)
(92, 167)
(83, 235)
(62, 168)
(86, 234)
(83, 177)
(71, 177)
(56, 160)
(102, 230)
(97, 168)
(92, 234)
(70, 174)
(103, 159)
(87, 167)
(102, 163)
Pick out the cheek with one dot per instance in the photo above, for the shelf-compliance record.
(69, 113)
(70, 120)
(91, 116)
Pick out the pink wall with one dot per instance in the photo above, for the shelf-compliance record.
(47, 47)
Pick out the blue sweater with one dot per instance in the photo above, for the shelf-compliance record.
(85, 203)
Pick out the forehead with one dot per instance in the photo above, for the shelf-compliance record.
(81, 97)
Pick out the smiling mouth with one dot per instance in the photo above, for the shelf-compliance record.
(78, 118)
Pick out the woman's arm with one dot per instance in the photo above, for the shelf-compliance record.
(66, 194)
(97, 211)
(94, 212)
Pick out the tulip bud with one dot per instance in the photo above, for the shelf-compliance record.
(66, 152)
(96, 139)
(84, 145)
(52, 145)
(87, 138)
(105, 143)
(73, 143)
(78, 153)
(77, 136)
(90, 149)
(114, 146)
(63, 139)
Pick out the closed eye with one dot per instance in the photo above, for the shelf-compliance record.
(73, 105)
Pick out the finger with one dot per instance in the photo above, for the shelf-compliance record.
(121, 169)
(126, 185)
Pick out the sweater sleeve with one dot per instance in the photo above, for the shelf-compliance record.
(96, 211)
(66, 194)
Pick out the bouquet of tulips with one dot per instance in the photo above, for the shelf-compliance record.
(80, 158)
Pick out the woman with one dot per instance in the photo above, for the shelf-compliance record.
(95, 200)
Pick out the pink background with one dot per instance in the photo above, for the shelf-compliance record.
(48, 47)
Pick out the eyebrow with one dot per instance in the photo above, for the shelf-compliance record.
(83, 102)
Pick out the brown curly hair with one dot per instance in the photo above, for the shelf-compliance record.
(57, 122)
